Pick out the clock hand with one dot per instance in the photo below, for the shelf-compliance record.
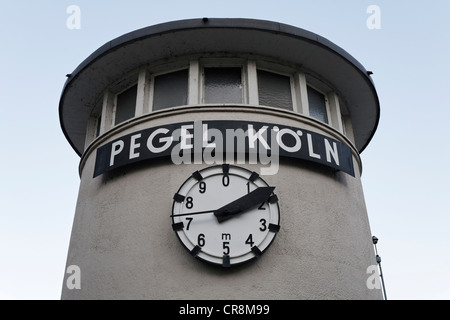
(250, 200)
(191, 213)
(256, 197)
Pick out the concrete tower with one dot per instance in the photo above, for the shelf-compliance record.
(156, 113)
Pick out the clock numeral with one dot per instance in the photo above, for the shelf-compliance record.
(226, 180)
(189, 202)
(263, 226)
(226, 248)
(189, 223)
(249, 240)
(202, 187)
(261, 207)
(201, 240)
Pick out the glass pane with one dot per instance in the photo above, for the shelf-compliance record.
(126, 105)
(274, 90)
(170, 90)
(223, 85)
(317, 105)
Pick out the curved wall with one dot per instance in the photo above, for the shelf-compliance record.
(124, 244)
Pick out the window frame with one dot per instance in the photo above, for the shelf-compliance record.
(327, 103)
(291, 82)
(114, 111)
(223, 63)
(152, 86)
(195, 65)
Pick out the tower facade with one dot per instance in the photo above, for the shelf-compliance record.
(220, 159)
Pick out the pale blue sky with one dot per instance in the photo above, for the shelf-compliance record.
(405, 167)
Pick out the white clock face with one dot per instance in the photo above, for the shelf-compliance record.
(225, 215)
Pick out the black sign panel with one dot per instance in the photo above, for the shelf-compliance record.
(224, 141)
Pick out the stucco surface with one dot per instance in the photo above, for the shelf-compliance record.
(123, 242)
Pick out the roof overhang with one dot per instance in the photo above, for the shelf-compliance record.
(132, 50)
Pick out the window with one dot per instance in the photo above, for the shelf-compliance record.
(126, 105)
(317, 105)
(170, 90)
(217, 80)
(274, 90)
(223, 85)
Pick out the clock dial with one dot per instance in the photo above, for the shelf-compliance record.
(225, 215)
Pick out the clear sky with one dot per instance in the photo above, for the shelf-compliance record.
(405, 168)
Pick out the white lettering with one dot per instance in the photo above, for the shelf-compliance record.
(331, 152)
(252, 137)
(134, 146)
(116, 148)
(298, 143)
(185, 136)
(206, 143)
(166, 140)
(310, 147)
(207, 311)
(199, 142)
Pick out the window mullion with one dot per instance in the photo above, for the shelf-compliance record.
(108, 111)
(302, 94)
(252, 83)
(335, 112)
(143, 92)
(194, 83)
